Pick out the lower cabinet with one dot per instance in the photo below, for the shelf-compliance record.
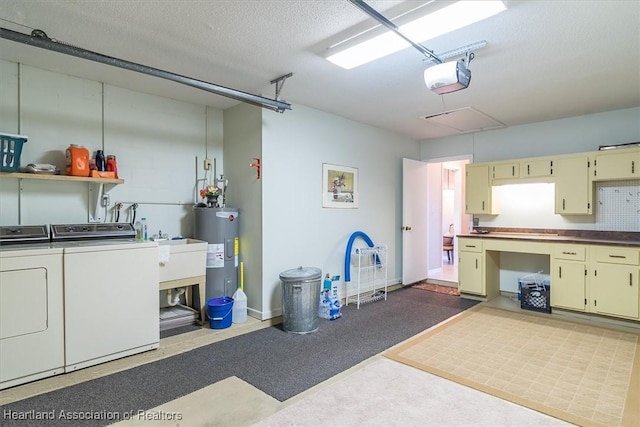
(587, 278)
(478, 269)
(471, 278)
(569, 277)
(614, 285)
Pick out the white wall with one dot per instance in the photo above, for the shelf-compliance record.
(156, 141)
(531, 205)
(297, 230)
(572, 135)
(161, 145)
(243, 143)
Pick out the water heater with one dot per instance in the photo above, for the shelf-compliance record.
(219, 228)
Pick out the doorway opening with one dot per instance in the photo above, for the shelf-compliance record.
(450, 215)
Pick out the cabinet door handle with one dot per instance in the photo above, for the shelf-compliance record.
(568, 253)
(560, 272)
(630, 279)
(483, 205)
(513, 171)
(617, 256)
(528, 171)
(476, 264)
(563, 204)
(469, 246)
(633, 166)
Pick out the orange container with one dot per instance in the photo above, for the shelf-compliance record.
(103, 174)
(77, 158)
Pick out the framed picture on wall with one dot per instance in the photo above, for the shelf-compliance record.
(339, 186)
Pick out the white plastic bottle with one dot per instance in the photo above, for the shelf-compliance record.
(239, 313)
(139, 231)
(145, 236)
(239, 310)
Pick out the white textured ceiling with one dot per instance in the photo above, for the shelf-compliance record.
(544, 59)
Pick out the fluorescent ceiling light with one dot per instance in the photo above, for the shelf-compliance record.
(442, 21)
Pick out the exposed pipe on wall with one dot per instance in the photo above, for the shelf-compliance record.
(39, 38)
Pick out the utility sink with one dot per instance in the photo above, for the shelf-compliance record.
(183, 258)
(175, 242)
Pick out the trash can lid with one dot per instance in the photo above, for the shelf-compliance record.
(299, 273)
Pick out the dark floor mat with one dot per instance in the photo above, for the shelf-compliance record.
(278, 363)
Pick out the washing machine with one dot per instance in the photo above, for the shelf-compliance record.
(110, 292)
(31, 305)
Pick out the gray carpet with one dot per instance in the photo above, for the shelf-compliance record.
(276, 362)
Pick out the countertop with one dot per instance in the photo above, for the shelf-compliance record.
(614, 238)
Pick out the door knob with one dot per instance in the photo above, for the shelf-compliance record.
(406, 228)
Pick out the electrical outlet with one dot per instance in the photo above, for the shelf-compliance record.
(106, 200)
(207, 164)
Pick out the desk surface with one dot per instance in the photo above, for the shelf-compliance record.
(552, 238)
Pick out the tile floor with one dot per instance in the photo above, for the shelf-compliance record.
(448, 276)
(576, 371)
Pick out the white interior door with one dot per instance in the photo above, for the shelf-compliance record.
(414, 221)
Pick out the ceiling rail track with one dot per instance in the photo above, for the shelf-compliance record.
(38, 38)
(360, 4)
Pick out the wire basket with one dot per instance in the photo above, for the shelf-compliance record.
(535, 293)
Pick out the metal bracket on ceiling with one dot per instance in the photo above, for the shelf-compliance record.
(466, 50)
(469, 56)
(279, 83)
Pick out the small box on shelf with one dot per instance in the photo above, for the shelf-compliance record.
(103, 174)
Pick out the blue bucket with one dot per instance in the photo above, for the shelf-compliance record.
(219, 312)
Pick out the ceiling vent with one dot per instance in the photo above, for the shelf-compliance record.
(464, 120)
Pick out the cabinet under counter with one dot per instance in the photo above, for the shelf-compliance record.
(587, 275)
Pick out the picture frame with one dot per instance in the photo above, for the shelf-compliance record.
(339, 186)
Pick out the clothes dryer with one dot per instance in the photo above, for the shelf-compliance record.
(31, 306)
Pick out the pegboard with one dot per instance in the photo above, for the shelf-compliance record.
(618, 205)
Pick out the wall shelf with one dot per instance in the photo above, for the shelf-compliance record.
(96, 188)
(19, 175)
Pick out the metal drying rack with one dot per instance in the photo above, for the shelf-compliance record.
(371, 279)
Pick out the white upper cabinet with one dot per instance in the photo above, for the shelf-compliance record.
(615, 164)
(573, 188)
